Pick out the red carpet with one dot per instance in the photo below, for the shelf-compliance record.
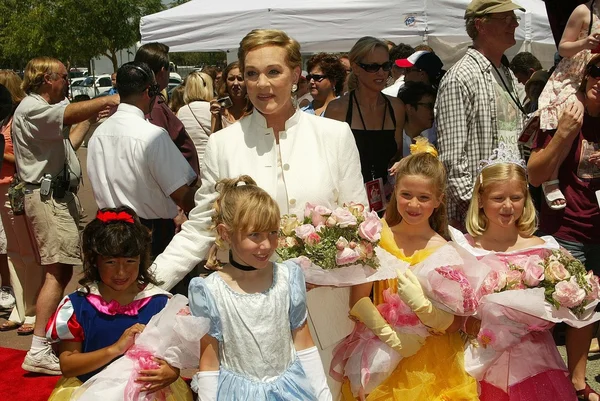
(17, 384)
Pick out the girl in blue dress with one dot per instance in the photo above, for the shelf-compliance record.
(259, 346)
(98, 323)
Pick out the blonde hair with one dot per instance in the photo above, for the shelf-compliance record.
(270, 37)
(426, 165)
(36, 69)
(12, 82)
(477, 221)
(245, 207)
(361, 49)
(198, 86)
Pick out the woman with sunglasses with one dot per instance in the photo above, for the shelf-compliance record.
(576, 226)
(326, 81)
(376, 120)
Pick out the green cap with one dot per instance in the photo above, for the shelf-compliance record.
(479, 8)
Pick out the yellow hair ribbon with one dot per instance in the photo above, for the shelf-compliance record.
(422, 145)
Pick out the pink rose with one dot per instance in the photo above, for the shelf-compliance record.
(370, 229)
(514, 280)
(594, 284)
(312, 239)
(346, 256)
(494, 282)
(533, 273)
(568, 293)
(319, 215)
(304, 231)
(555, 271)
(357, 209)
(308, 209)
(343, 218)
(341, 243)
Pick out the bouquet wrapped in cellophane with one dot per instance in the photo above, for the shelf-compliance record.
(337, 247)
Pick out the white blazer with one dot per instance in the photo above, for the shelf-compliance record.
(320, 165)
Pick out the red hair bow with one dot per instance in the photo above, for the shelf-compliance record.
(107, 216)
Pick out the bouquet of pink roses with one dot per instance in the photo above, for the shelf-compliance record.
(563, 278)
(336, 247)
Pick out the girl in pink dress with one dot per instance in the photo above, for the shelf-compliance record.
(517, 359)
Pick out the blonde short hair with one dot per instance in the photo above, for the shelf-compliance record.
(360, 50)
(245, 207)
(270, 37)
(198, 86)
(36, 69)
(12, 82)
(477, 222)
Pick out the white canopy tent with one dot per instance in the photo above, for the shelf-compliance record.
(334, 26)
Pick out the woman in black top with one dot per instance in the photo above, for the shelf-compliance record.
(376, 120)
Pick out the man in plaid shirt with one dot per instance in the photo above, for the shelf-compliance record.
(473, 97)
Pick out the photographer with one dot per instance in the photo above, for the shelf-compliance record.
(232, 102)
(46, 161)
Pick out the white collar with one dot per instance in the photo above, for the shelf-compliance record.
(129, 108)
(259, 119)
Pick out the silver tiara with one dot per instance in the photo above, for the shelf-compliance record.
(502, 154)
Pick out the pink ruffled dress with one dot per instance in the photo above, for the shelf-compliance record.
(520, 361)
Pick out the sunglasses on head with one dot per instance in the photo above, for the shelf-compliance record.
(374, 67)
(594, 71)
(316, 77)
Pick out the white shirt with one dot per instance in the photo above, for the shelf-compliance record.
(393, 89)
(196, 119)
(135, 163)
(320, 164)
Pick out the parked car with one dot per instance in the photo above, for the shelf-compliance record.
(174, 81)
(93, 86)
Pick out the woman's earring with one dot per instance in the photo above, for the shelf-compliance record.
(294, 88)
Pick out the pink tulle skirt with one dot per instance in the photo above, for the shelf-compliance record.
(550, 385)
(532, 370)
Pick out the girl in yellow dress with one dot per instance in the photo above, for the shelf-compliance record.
(430, 367)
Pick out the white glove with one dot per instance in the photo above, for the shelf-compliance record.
(313, 367)
(206, 384)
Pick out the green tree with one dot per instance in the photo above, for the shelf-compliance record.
(71, 30)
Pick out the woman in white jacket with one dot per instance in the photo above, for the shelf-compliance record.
(296, 157)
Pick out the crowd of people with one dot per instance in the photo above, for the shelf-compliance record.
(489, 160)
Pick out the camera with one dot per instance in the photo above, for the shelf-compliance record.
(46, 185)
(60, 188)
(225, 102)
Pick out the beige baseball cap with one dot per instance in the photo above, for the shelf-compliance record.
(478, 8)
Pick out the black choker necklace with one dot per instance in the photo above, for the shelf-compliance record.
(239, 265)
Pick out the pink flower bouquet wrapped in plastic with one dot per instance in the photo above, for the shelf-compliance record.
(337, 247)
(172, 335)
(521, 299)
(450, 278)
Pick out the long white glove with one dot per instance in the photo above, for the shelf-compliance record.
(411, 292)
(313, 367)
(206, 384)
